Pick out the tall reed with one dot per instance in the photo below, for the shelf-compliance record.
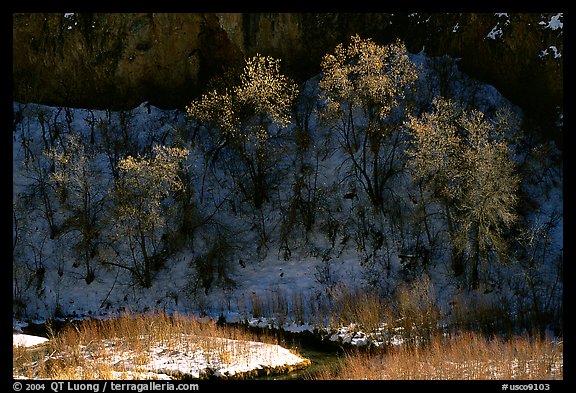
(466, 356)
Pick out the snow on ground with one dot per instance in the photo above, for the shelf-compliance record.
(113, 289)
(232, 358)
(191, 357)
(194, 357)
(27, 340)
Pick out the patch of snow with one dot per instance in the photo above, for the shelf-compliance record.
(554, 23)
(555, 52)
(195, 357)
(495, 33)
(18, 325)
(26, 340)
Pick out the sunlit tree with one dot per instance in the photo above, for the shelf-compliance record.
(364, 85)
(464, 161)
(144, 183)
(244, 118)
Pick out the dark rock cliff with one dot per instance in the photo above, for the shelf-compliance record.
(120, 60)
(116, 60)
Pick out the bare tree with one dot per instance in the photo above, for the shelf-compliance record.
(144, 183)
(464, 162)
(82, 189)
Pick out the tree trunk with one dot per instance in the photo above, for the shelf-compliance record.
(474, 278)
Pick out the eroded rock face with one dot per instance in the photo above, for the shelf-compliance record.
(116, 60)
(519, 54)
(120, 60)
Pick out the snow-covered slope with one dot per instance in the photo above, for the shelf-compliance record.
(260, 276)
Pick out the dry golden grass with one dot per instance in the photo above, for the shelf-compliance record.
(365, 309)
(412, 307)
(115, 348)
(468, 356)
(412, 310)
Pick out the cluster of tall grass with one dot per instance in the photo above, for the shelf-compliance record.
(412, 309)
(119, 348)
(478, 338)
(465, 356)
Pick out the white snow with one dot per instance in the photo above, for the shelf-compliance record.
(222, 357)
(504, 16)
(554, 52)
(191, 357)
(495, 33)
(554, 23)
(233, 357)
(26, 340)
